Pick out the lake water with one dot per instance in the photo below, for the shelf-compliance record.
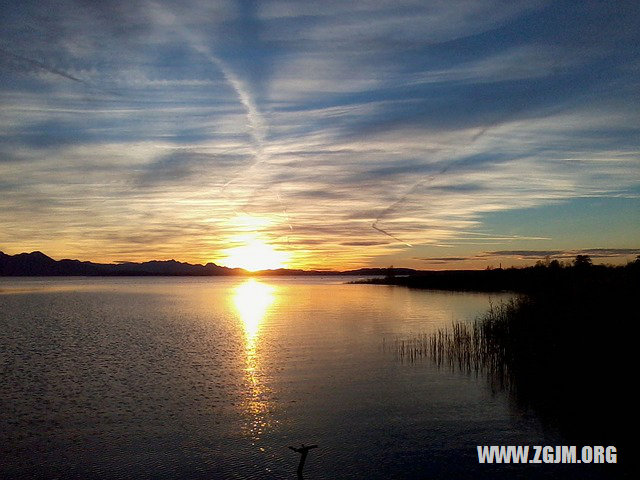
(214, 378)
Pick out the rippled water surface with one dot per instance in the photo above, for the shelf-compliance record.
(215, 377)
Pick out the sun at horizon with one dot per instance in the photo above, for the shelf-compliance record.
(255, 255)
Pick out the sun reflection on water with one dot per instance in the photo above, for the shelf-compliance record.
(252, 300)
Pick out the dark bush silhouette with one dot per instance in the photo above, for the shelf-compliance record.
(564, 349)
(582, 261)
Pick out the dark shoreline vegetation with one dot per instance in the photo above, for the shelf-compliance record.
(561, 348)
(541, 277)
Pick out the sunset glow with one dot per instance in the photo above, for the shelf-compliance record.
(429, 135)
(256, 255)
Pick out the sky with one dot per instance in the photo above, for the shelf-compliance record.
(424, 134)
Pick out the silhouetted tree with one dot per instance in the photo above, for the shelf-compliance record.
(582, 261)
(554, 264)
(389, 272)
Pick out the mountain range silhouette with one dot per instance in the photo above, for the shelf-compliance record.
(38, 264)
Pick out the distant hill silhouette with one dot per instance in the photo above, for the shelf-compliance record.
(38, 264)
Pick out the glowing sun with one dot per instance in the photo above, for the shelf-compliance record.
(255, 255)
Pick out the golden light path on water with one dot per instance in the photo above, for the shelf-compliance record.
(252, 300)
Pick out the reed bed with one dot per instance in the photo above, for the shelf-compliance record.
(565, 350)
(482, 346)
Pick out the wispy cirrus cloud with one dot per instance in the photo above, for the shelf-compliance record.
(362, 133)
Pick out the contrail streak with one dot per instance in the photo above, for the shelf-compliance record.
(399, 201)
(256, 124)
(284, 210)
(56, 71)
(373, 225)
(483, 131)
(257, 127)
(42, 66)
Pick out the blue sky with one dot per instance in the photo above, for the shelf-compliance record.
(431, 134)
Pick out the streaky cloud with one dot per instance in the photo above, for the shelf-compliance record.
(257, 125)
